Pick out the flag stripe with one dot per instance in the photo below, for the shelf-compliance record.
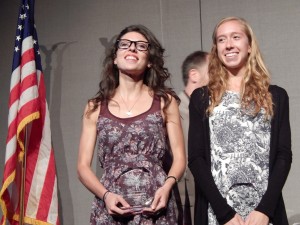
(34, 177)
(12, 129)
(47, 191)
(10, 149)
(29, 82)
(27, 44)
(27, 95)
(14, 101)
(54, 205)
(10, 166)
(15, 77)
(27, 69)
(28, 56)
(22, 117)
(50, 180)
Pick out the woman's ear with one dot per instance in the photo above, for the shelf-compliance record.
(249, 49)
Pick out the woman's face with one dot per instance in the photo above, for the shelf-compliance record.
(132, 60)
(232, 46)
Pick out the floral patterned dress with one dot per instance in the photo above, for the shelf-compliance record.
(131, 151)
(240, 148)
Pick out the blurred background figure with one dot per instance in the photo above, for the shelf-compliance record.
(195, 75)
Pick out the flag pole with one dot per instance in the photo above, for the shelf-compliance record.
(23, 176)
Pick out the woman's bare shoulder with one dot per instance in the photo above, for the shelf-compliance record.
(91, 111)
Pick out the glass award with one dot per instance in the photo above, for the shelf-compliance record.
(138, 200)
(135, 187)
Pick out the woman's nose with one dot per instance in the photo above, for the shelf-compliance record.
(228, 43)
(132, 47)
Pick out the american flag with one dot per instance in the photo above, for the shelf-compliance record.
(28, 143)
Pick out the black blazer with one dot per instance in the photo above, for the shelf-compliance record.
(200, 164)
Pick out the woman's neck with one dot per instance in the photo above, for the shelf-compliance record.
(130, 87)
(130, 90)
(234, 83)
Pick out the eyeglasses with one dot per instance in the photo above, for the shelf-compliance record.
(139, 45)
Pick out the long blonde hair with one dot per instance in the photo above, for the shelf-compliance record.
(255, 83)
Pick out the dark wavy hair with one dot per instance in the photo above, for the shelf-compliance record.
(154, 77)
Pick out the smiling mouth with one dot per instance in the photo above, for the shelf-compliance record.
(231, 54)
(131, 57)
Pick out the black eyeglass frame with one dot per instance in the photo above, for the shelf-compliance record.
(135, 44)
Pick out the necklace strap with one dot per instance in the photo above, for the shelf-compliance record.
(129, 113)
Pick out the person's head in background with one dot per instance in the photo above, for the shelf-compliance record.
(195, 71)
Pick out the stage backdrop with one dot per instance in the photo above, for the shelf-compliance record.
(73, 36)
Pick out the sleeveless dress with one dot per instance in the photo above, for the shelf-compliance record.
(132, 151)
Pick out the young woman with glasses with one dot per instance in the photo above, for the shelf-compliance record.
(239, 136)
(134, 118)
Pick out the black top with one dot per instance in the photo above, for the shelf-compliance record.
(200, 163)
